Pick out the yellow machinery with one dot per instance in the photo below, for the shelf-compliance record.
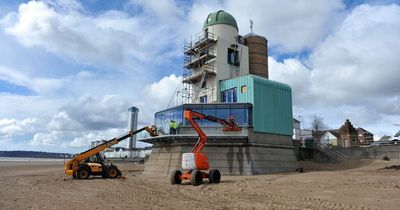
(90, 162)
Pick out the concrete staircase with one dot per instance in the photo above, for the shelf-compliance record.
(331, 153)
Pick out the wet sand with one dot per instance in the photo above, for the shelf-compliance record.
(351, 185)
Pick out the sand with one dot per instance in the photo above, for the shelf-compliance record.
(351, 185)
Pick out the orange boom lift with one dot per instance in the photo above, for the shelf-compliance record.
(195, 161)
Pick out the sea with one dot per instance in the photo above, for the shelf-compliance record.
(28, 159)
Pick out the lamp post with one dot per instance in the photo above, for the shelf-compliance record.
(301, 132)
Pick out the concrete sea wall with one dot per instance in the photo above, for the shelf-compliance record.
(232, 155)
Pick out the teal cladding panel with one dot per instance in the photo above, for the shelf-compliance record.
(272, 103)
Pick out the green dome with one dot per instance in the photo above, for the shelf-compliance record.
(220, 17)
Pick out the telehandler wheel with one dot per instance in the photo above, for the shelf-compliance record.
(112, 172)
(82, 173)
(175, 177)
(214, 176)
(196, 178)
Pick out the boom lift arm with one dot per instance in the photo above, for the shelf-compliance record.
(72, 165)
(191, 116)
(196, 161)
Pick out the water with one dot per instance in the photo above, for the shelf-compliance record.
(28, 159)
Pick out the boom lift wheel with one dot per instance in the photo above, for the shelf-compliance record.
(176, 177)
(83, 172)
(214, 176)
(196, 178)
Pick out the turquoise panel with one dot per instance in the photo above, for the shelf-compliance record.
(272, 103)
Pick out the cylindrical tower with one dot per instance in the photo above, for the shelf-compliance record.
(132, 126)
(258, 55)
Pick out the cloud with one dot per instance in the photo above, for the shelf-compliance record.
(95, 118)
(352, 73)
(45, 139)
(13, 127)
(158, 96)
(295, 27)
(356, 56)
(91, 113)
(112, 37)
(84, 140)
(62, 121)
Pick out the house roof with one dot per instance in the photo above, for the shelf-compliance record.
(364, 131)
(319, 134)
(335, 133)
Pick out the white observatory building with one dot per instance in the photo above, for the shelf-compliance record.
(226, 76)
(220, 53)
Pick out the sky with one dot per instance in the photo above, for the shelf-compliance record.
(69, 69)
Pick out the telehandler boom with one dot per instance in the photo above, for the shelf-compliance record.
(80, 167)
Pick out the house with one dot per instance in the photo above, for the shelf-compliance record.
(345, 136)
(348, 135)
(330, 138)
(365, 136)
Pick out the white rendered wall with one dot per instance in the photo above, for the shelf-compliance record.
(224, 31)
(225, 39)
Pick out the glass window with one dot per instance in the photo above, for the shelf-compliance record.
(241, 112)
(243, 89)
(222, 112)
(233, 57)
(229, 96)
(203, 99)
(238, 115)
(211, 112)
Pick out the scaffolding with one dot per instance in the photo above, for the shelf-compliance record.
(199, 65)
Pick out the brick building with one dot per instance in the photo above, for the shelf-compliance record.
(345, 136)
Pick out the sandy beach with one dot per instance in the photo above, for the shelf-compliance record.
(351, 185)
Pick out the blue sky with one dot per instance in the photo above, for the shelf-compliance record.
(69, 69)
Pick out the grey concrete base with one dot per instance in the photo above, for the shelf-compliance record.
(391, 151)
(232, 155)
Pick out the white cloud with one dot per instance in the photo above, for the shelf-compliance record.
(293, 72)
(46, 139)
(357, 57)
(91, 113)
(62, 121)
(354, 72)
(161, 91)
(112, 37)
(289, 26)
(12, 127)
(84, 140)
(157, 96)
